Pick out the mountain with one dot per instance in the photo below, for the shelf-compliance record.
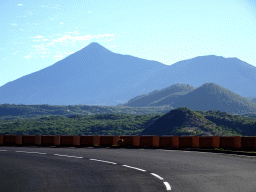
(146, 99)
(184, 121)
(93, 75)
(211, 96)
(96, 76)
(254, 100)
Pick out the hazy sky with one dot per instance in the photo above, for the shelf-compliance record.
(37, 33)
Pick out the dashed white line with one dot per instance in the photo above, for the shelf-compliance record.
(62, 155)
(157, 176)
(134, 168)
(79, 157)
(32, 152)
(102, 161)
(20, 151)
(168, 187)
(70, 156)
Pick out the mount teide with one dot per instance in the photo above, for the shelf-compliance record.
(97, 76)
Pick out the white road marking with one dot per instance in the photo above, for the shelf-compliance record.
(134, 168)
(32, 152)
(56, 154)
(62, 155)
(168, 187)
(102, 161)
(79, 157)
(42, 153)
(70, 156)
(20, 151)
(3, 150)
(157, 176)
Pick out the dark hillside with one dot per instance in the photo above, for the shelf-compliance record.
(181, 121)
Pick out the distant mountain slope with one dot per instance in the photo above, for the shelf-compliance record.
(254, 100)
(183, 121)
(168, 100)
(97, 76)
(93, 75)
(211, 96)
(147, 99)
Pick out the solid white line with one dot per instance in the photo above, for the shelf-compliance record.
(3, 150)
(20, 151)
(168, 187)
(70, 156)
(157, 176)
(134, 168)
(42, 153)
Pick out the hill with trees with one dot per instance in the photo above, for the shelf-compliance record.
(151, 98)
(183, 121)
(211, 96)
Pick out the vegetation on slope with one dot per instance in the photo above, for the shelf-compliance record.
(105, 124)
(181, 121)
(147, 99)
(9, 112)
(211, 96)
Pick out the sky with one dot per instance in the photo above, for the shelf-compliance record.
(37, 34)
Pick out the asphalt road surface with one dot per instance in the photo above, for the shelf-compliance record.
(123, 170)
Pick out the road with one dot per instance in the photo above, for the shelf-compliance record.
(126, 170)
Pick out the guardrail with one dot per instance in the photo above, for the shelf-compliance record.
(245, 143)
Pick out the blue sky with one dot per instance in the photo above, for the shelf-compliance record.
(37, 34)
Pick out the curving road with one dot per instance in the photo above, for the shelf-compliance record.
(125, 170)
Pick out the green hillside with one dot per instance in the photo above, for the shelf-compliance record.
(8, 111)
(168, 100)
(183, 121)
(147, 99)
(104, 124)
(211, 96)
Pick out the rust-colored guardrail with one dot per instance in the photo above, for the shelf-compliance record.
(245, 143)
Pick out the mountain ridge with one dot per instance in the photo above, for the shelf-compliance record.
(96, 76)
